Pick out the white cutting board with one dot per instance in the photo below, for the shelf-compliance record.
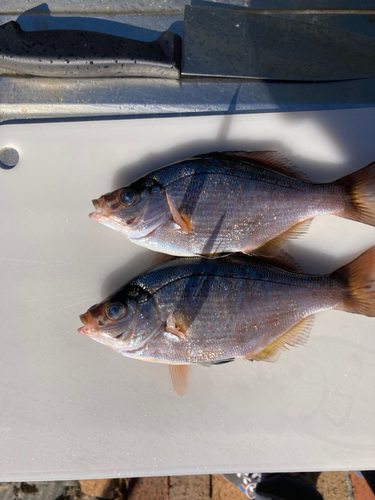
(73, 408)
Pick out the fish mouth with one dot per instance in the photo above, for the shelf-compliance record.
(84, 330)
(101, 210)
(98, 216)
(88, 324)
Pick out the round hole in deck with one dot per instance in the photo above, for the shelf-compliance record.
(9, 158)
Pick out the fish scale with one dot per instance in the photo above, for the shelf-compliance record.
(229, 307)
(228, 216)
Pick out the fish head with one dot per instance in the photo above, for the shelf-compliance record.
(136, 210)
(125, 321)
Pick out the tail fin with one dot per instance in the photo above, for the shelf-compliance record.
(360, 191)
(359, 277)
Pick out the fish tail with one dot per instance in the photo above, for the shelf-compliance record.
(359, 281)
(360, 195)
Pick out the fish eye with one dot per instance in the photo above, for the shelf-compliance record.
(129, 197)
(115, 311)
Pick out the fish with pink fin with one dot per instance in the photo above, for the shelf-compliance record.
(223, 203)
(212, 311)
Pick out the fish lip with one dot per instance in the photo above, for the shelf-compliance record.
(96, 204)
(89, 325)
(85, 330)
(99, 215)
(101, 209)
(84, 319)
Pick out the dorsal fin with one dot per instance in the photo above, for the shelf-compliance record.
(271, 159)
(295, 336)
(178, 375)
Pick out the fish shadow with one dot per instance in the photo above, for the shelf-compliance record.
(153, 161)
(351, 134)
(346, 134)
(134, 266)
(221, 142)
(319, 263)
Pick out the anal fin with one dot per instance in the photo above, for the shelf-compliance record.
(272, 249)
(282, 259)
(160, 258)
(178, 375)
(295, 336)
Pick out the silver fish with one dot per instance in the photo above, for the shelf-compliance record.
(223, 203)
(211, 311)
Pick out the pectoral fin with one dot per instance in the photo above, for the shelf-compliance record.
(295, 336)
(178, 375)
(181, 221)
(173, 329)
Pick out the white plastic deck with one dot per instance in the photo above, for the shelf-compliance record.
(73, 408)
